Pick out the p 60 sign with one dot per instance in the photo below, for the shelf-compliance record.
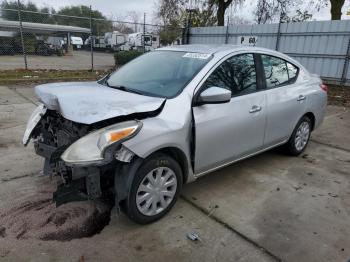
(247, 40)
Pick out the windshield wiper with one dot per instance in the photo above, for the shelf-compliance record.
(126, 89)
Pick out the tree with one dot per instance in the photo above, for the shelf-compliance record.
(26, 16)
(122, 28)
(135, 18)
(203, 14)
(221, 6)
(298, 17)
(172, 17)
(100, 24)
(336, 6)
(269, 10)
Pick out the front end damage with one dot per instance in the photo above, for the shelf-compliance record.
(81, 157)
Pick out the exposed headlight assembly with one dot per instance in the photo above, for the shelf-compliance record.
(94, 148)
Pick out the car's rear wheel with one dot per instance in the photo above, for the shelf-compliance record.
(300, 137)
(155, 189)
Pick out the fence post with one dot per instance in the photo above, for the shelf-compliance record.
(226, 35)
(189, 22)
(91, 42)
(144, 32)
(346, 64)
(184, 35)
(21, 34)
(278, 34)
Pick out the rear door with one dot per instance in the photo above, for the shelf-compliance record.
(286, 99)
(228, 131)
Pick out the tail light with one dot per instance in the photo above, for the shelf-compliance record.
(324, 87)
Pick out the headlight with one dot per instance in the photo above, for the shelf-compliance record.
(91, 148)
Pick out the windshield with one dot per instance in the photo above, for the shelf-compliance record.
(158, 73)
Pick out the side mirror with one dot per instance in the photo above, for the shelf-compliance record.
(214, 95)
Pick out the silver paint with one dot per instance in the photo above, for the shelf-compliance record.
(90, 102)
(224, 133)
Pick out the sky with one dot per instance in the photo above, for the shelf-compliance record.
(119, 9)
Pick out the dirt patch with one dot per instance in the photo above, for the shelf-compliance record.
(37, 217)
(339, 95)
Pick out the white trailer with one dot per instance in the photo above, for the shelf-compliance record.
(114, 40)
(76, 42)
(136, 41)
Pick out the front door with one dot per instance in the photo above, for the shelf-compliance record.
(229, 131)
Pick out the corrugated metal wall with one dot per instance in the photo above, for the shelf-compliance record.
(321, 46)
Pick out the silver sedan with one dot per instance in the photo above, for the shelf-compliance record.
(169, 117)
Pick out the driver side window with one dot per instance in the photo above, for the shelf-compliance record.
(237, 74)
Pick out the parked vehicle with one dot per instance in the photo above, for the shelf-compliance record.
(114, 40)
(6, 49)
(143, 133)
(45, 49)
(98, 43)
(76, 42)
(136, 41)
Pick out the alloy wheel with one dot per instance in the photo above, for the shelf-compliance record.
(302, 136)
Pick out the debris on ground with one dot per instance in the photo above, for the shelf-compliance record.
(332, 195)
(193, 236)
(309, 158)
(37, 217)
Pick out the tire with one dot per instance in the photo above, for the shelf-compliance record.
(301, 133)
(145, 189)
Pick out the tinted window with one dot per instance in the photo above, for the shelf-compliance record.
(236, 74)
(278, 72)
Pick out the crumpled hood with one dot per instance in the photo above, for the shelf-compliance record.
(90, 102)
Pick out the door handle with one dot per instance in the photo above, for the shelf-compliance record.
(301, 98)
(255, 109)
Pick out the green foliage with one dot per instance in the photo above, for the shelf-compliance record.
(26, 17)
(99, 27)
(122, 57)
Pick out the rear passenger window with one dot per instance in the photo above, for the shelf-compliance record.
(236, 74)
(278, 72)
(292, 72)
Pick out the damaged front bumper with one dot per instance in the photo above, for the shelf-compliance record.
(74, 183)
(84, 161)
(77, 182)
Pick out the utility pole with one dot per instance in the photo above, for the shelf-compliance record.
(91, 42)
(144, 32)
(21, 33)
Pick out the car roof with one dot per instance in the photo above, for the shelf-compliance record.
(224, 49)
(211, 49)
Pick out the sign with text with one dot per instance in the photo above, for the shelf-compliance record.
(247, 40)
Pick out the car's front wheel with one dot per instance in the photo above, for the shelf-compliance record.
(300, 137)
(155, 189)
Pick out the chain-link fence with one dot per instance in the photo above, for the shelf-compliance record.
(37, 40)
